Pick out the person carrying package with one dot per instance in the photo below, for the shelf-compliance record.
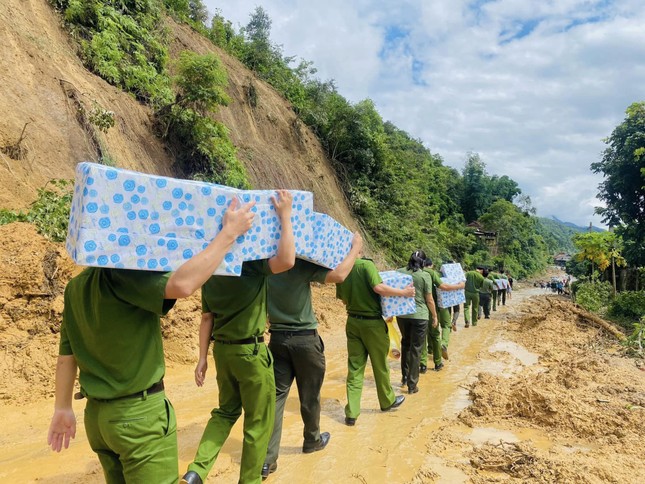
(367, 336)
(234, 316)
(441, 324)
(501, 293)
(415, 326)
(111, 333)
(492, 276)
(474, 281)
(298, 349)
(485, 293)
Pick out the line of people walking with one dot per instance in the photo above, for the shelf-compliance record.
(111, 336)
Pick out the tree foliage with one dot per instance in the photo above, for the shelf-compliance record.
(599, 248)
(402, 193)
(480, 190)
(207, 152)
(521, 249)
(123, 41)
(623, 189)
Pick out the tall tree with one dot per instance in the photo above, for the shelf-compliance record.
(476, 188)
(623, 189)
(602, 249)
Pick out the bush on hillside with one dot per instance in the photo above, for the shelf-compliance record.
(593, 296)
(49, 213)
(628, 305)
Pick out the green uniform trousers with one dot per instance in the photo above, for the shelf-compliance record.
(494, 298)
(471, 307)
(367, 337)
(436, 337)
(245, 381)
(446, 325)
(135, 438)
(300, 357)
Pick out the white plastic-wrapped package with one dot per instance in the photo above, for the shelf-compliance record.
(396, 305)
(331, 242)
(131, 220)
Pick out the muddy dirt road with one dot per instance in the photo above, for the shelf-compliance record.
(533, 394)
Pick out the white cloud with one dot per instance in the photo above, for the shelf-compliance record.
(533, 87)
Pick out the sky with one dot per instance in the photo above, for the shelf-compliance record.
(533, 86)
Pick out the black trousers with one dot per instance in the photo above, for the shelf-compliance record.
(501, 297)
(413, 337)
(299, 357)
(484, 303)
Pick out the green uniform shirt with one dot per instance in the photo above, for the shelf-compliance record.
(492, 276)
(238, 304)
(422, 282)
(487, 287)
(474, 281)
(289, 300)
(111, 326)
(356, 291)
(436, 281)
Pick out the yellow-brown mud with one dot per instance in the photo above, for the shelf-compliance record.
(535, 394)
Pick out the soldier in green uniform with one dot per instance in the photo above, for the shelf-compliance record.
(235, 316)
(492, 276)
(367, 335)
(485, 293)
(474, 281)
(441, 324)
(298, 349)
(502, 291)
(111, 333)
(415, 326)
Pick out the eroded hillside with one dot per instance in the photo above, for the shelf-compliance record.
(44, 86)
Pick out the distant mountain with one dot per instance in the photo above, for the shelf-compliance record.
(577, 228)
(558, 234)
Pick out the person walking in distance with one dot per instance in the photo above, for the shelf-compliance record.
(298, 349)
(485, 293)
(474, 281)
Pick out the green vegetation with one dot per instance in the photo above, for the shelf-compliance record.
(125, 42)
(623, 189)
(593, 296)
(402, 193)
(521, 248)
(49, 213)
(205, 149)
(628, 307)
(557, 236)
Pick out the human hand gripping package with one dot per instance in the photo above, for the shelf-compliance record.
(396, 305)
(452, 274)
(130, 220)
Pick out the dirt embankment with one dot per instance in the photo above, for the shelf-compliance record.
(584, 398)
(34, 274)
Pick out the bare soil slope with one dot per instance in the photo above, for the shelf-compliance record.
(44, 84)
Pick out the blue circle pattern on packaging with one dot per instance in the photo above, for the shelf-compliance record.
(397, 306)
(197, 207)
